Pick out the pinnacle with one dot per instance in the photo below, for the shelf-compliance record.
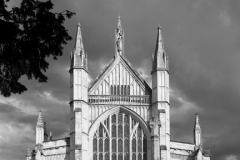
(119, 21)
(197, 118)
(78, 42)
(159, 46)
(159, 26)
(197, 123)
(28, 151)
(40, 121)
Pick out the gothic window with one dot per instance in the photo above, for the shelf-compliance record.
(119, 137)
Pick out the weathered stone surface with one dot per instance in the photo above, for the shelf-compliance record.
(118, 115)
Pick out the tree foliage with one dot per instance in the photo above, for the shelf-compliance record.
(28, 35)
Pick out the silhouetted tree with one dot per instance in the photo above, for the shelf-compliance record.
(28, 34)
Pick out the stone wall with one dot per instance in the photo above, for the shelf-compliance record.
(57, 149)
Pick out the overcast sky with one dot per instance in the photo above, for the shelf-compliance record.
(202, 40)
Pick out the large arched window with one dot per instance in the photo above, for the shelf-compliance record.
(119, 137)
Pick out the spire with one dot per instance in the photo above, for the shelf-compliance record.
(119, 38)
(159, 43)
(79, 49)
(78, 56)
(197, 133)
(40, 121)
(197, 123)
(119, 22)
(159, 58)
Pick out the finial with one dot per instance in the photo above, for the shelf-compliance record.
(159, 26)
(79, 25)
(28, 152)
(40, 121)
(50, 135)
(119, 21)
(159, 45)
(197, 122)
(197, 118)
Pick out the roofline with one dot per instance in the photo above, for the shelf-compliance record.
(128, 63)
(181, 142)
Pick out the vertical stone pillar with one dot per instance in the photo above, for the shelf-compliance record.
(79, 101)
(154, 124)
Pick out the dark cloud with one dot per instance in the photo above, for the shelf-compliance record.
(202, 40)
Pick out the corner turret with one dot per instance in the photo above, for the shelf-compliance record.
(197, 133)
(78, 100)
(160, 99)
(39, 129)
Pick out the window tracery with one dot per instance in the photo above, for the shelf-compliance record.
(119, 137)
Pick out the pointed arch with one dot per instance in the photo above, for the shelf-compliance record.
(116, 122)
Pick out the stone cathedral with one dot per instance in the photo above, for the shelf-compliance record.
(118, 116)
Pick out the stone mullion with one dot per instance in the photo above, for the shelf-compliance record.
(114, 77)
(136, 143)
(130, 138)
(124, 81)
(98, 144)
(111, 78)
(120, 80)
(117, 77)
(103, 139)
(123, 139)
(110, 137)
(142, 142)
(116, 136)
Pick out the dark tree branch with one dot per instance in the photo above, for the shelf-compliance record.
(29, 34)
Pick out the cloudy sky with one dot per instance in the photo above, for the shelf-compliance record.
(202, 40)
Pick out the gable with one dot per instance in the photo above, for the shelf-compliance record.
(119, 78)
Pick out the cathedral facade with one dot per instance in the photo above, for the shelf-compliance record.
(118, 116)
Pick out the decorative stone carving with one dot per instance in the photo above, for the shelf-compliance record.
(119, 41)
(154, 124)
